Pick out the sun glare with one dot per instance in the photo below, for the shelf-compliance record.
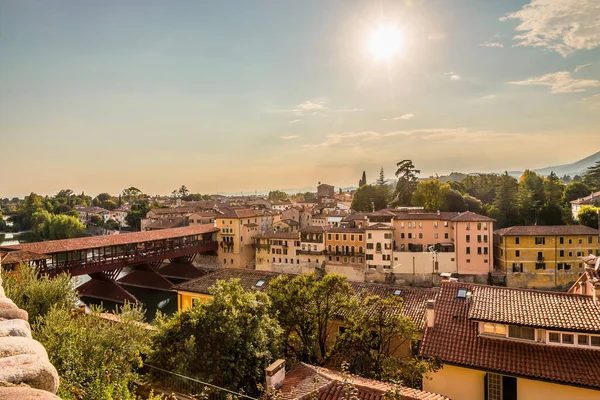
(385, 42)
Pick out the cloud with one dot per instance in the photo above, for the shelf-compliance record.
(404, 116)
(580, 67)
(309, 107)
(490, 96)
(492, 44)
(453, 76)
(289, 137)
(564, 26)
(560, 82)
(295, 121)
(593, 101)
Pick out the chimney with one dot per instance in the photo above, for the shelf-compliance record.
(438, 212)
(430, 313)
(445, 276)
(275, 374)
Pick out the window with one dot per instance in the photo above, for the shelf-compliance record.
(402, 235)
(479, 250)
(479, 226)
(352, 237)
(337, 236)
(595, 342)
(435, 235)
(554, 337)
(494, 329)
(397, 292)
(462, 293)
(468, 226)
(580, 241)
(517, 253)
(568, 338)
(409, 235)
(468, 260)
(369, 257)
(420, 235)
(369, 246)
(435, 224)
(344, 236)
(387, 235)
(468, 237)
(517, 267)
(589, 239)
(260, 283)
(485, 250)
(517, 240)
(562, 253)
(445, 224)
(478, 238)
(420, 224)
(561, 240)
(360, 238)
(468, 250)
(446, 235)
(540, 240)
(499, 387)
(583, 340)
(329, 236)
(521, 332)
(369, 235)
(485, 238)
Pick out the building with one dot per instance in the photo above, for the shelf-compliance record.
(429, 243)
(306, 381)
(592, 200)
(278, 252)
(379, 247)
(312, 252)
(543, 256)
(588, 283)
(505, 343)
(325, 190)
(237, 228)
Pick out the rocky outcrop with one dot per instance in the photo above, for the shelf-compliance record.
(25, 372)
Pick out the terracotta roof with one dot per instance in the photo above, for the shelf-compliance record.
(174, 210)
(18, 256)
(534, 308)
(355, 217)
(454, 339)
(315, 229)
(300, 382)
(415, 299)
(279, 235)
(379, 226)
(166, 223)
(251, 225)
(442, 216)
(346, 230)
(594, 197)
(469, 216)
(554, 230)
(60, 246)
(228, 212)
(248, 279)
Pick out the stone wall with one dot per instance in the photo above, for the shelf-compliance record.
(25, 371)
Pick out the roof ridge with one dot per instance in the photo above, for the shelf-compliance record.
(482, 285)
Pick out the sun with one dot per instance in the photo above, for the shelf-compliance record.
(386, 42)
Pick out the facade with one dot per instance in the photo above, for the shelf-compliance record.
(588, 283)
(379, 247)
(591, 200)
(543, 256)
(237, 228)
(278, 251)
(325, 190)
(500, 343)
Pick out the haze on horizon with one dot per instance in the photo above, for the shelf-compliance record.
(234, 96)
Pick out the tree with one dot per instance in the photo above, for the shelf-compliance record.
(227, 341)
(96, 358)
(135, 215)
(592, 177)
(38, 294)
(407, 182)
(374, 336)
(363, 180)
(381, 179)
(369, 198)
(574, 191)
(183, 191)
(277, 195)
(109, 204)
(506, 193)
(431, 194)
(553, 189)
(305, 305)
(588, 216)
(96, 219)
(131, 194)
(102, 197)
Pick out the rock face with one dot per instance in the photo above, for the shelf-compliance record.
(25, 372)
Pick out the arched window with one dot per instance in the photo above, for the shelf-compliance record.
(352, 249)
(360, 249)
(378, 246)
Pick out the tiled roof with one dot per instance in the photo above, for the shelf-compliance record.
(379, 226)
(315, 229)
(229, 212)
(534, 308)
(454, 339)
(174, 210)
(18, 256)
(248, 279)
(166, 223)
(555, 230)
(469, 216)
(346, 230)
(279, 235)
(415, 299)
(58, 246)
(300, 382)
(588, 199)
(290, 222)
(442, 216)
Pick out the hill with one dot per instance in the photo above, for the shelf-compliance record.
(575, 168)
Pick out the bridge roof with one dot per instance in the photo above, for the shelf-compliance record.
(92, 242)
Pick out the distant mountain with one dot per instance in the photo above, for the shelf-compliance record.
(576, 168)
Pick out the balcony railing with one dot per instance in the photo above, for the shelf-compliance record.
(312, 252)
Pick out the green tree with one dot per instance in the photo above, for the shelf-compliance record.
(135, 215)
(592, 177)
(368, 198)
(37, 294)
(363, 180)
(131, 194)
(574, 191)
(95, 358)
(102, 197)
(506, 193)
(381, 178)
(183, 191)
(554, 189)
(277, 195)
(407, 182)
(373, 339)
(305, 305)
(96, 219)
(227, 341)
(109, 204)
(588, 216)
(431, 194)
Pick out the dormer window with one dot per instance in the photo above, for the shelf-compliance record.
(494, 329)
(462, 294)
(260, 283)
(397, 292)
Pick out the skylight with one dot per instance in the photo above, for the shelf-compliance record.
(397, 292)
(462, 294)
(260, 283)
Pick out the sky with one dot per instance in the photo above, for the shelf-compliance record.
(245, 96)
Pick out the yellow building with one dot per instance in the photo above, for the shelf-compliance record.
(237, 228)
(543, 256)
(499, 343)
(277, 251)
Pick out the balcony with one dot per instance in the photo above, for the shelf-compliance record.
(344, 253)
(261, 246)
(312, 252)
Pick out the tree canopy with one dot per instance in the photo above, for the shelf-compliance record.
(407, 182)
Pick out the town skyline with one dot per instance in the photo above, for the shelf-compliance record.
(269, 95)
